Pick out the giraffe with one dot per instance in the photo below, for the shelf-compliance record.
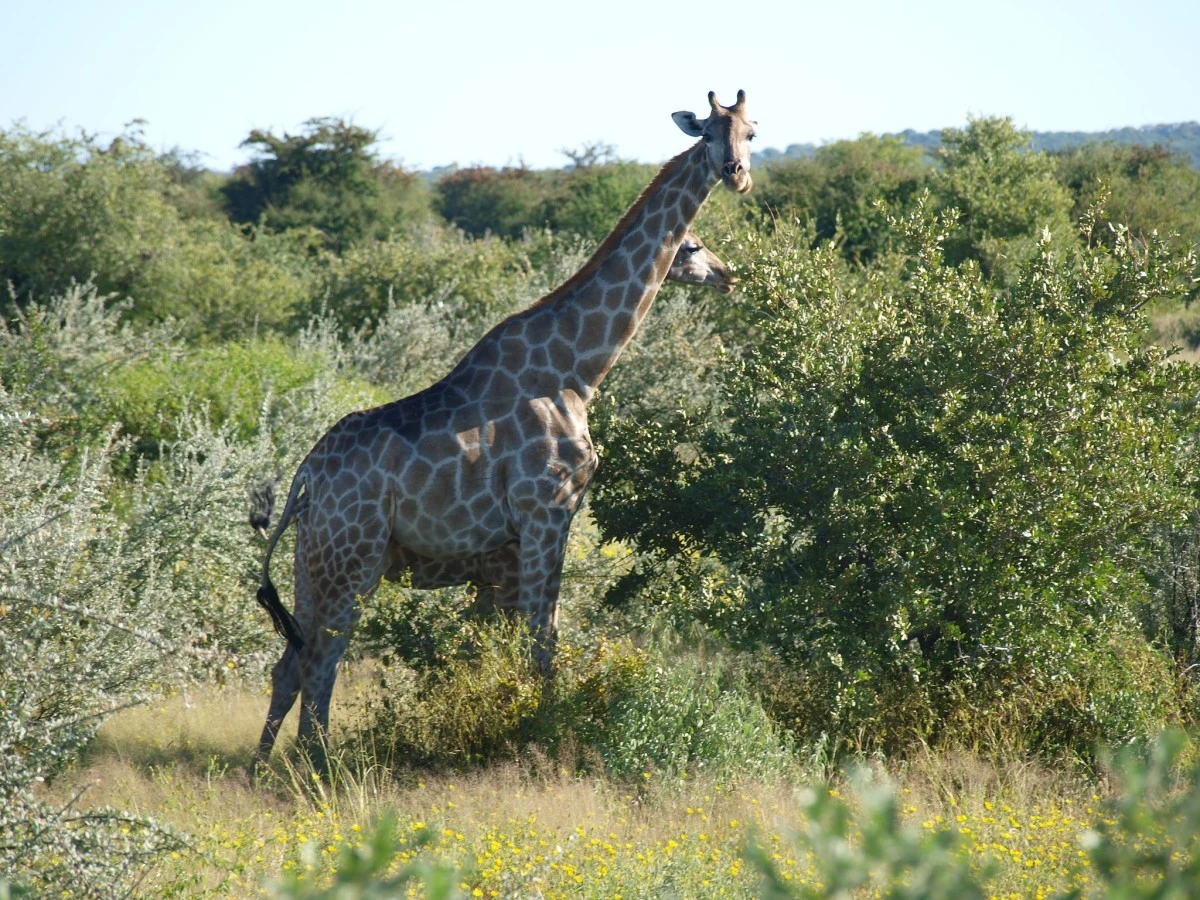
(490, 463)
(694, 264)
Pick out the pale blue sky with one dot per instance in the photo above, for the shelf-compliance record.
(494, 82)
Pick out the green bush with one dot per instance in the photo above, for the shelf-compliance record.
(71, 209)
(326, 182)
(420, 630)
(684, 716)
(586, 199)
(228, 383)
(673, 363)
(474, 707)
(73, 212)
(633, 710)
(925, 486)
(220, 282)
(478, 281)
(1007, 196)
(590, 199)
(1145, 189)
(87, 627)
(484, 201)
(120, 582)
(839, 189)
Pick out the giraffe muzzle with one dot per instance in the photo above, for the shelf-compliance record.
(736, 177)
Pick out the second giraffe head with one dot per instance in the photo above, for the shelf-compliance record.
(696, 264)
(727, 134)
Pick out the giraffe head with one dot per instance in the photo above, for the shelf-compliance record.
(696, 264)
(727, 134)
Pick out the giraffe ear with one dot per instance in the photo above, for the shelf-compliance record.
(688, 123)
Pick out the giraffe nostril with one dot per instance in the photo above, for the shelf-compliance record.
(733, 168)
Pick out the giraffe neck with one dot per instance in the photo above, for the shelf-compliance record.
(598, 310)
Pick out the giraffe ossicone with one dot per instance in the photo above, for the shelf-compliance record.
(485, 469)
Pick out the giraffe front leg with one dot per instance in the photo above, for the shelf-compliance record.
(543, 548)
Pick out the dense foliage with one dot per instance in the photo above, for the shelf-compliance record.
(925, 478)
(327, 180)
(927, 493)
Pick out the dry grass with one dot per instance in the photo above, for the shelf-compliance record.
(531, 826)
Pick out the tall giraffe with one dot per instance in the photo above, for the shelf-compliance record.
(494, 574)
(491, 462)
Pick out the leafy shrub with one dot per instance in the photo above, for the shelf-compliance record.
(421, 630)
(671, 365)
(925, 486)
(484, 201)
(54, 354)
(1144, 189)
(633, 710)
(220, 282)
(683, 716)
(243, 388)
(591, 198)
(474, 708)
(115, 583)
(586, 199)
(73, 212)
(839, 189)
(228, 382)
(1007, 196)
(408, 348)
(326, 180)
(72, 209)
(477, 280)
(87, 628)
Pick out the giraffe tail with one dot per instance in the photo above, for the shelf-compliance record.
(268, 598)
(285, 623)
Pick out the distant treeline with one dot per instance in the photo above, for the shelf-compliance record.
(319, 220)
(1182, 138)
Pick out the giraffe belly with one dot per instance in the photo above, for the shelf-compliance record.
(445, 522)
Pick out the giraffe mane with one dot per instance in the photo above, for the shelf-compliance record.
(616, 235)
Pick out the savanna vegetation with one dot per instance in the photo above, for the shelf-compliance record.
(889, 582)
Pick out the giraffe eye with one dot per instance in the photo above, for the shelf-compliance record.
(752, 136)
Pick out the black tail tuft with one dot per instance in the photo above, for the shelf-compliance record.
(284, 622)
(262, 504)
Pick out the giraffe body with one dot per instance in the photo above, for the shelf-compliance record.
(482, 472)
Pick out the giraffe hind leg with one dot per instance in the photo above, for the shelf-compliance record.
(285, 687)
(318, 672)
(286, 676)
(337, 608)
